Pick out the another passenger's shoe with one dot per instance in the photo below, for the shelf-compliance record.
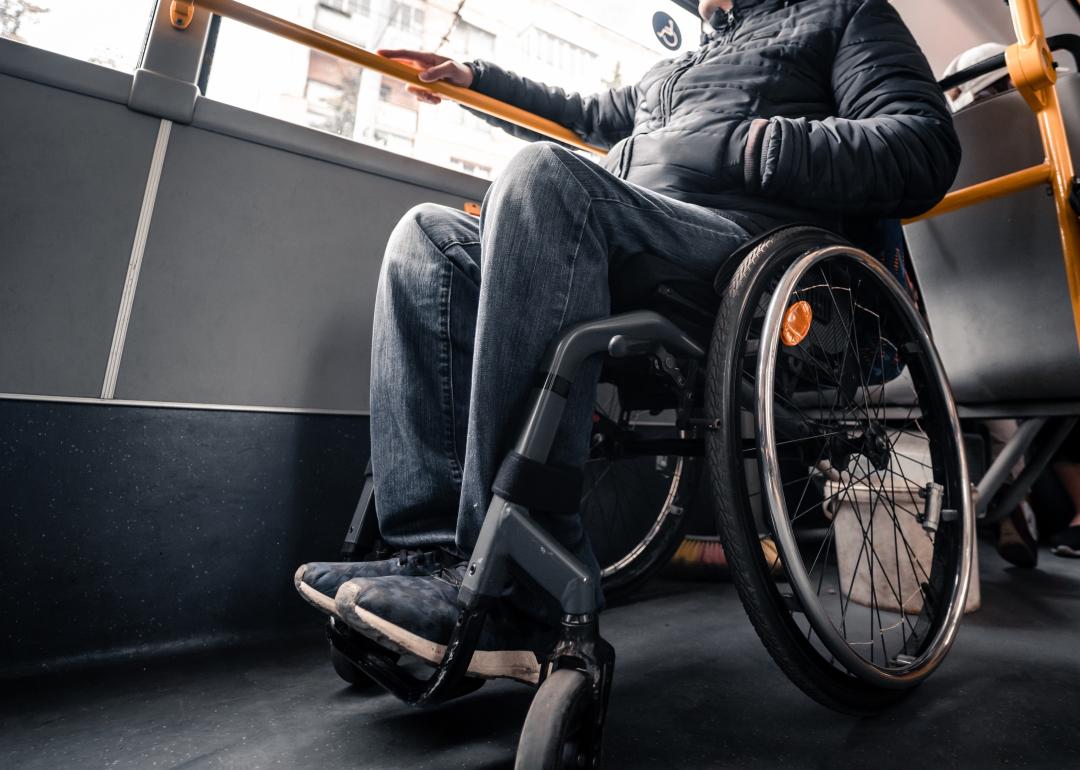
(1018, 537)
(318, 581)
(416, 616)
(1067, 542)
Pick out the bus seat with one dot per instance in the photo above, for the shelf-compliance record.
(992, 276)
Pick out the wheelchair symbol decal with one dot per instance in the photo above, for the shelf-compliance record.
(667, 31)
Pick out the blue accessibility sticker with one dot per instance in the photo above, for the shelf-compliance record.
(667, 31)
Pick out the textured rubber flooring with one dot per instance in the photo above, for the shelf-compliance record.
(693, 688)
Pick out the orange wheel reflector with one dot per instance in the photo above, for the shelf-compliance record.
(797, 322)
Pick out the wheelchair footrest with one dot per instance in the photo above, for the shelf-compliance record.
(447, 682)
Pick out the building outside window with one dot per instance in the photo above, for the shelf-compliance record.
(469, 41)
(408, 18)
(471, 167)
(110, 34)
(557, 53)
(581, 47)
(348, 7)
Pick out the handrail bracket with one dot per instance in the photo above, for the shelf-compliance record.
(181, 12)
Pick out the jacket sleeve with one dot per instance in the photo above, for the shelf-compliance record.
(890, 151)
(601, 119)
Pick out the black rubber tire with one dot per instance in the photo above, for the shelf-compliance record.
(557, 712)
(639, 496)
(787, 645)
(620, 585)
(345, 668)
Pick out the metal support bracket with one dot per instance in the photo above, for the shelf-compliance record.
(1031, 69)
(181, 12)
(930, 518)
(363, 530)
(165, 84)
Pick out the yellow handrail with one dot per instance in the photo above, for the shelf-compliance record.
(990, 189)
(182, 11)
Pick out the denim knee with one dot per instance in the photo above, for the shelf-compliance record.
(536, 170)
(411, 230)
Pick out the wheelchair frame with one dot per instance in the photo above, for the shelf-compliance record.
(508, 535)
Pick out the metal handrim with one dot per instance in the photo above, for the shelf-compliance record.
(666, 510)
(799, 578)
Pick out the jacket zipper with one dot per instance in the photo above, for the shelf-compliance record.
(729, 25)
(626, 158)
(667, 91)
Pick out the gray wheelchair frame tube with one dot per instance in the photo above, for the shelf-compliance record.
(508, 534)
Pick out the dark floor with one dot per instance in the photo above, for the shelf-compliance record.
(693, 688)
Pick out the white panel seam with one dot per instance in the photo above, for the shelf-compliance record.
(182, 405)
(138, 247)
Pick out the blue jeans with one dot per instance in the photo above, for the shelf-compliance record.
(465, 311)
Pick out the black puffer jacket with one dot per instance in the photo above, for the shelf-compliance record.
(804, 110)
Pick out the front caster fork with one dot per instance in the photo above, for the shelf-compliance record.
(581, 647)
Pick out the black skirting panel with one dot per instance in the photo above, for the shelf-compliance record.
(129, 531)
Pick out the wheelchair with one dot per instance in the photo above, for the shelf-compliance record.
(805, 387)
(804, 374)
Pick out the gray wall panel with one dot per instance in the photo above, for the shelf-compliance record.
(272, 132)
(259, 276)
(53, 69)
(72, 174)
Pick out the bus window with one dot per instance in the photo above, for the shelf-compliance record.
(583, 47)
(110, 34)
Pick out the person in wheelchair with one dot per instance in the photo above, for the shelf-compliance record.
(815, 111)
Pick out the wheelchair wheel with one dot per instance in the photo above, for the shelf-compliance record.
(558, 732)
(837, 436)
(635, 492)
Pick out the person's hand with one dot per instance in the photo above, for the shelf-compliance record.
(432, 67)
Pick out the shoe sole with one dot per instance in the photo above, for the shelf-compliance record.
(316, 599)
(1066, 551)
(521, 665)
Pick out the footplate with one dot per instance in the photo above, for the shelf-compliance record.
(446, 683)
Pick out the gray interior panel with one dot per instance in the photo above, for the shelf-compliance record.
(992, 276)
(72, 173)
(1059, 16)
(53, 69)
(258, 281)
(263, 129)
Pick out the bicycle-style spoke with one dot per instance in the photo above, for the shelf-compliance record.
(873, 454)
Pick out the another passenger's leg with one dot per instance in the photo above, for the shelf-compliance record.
(1067, 468)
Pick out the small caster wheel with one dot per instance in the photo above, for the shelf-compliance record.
(348, 671)
(560, 732)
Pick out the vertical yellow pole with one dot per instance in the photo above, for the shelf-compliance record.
(1031, 69)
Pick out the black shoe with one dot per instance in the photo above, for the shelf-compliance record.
(1067, 542)
(1018, 538)
(416, 616)
(318, 581)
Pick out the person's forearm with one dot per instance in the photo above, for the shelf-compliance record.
(601, 119)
